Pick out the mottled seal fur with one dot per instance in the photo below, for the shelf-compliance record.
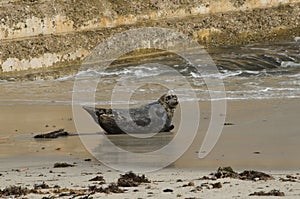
(150, 118)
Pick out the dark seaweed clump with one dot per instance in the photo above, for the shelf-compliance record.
(131, 179)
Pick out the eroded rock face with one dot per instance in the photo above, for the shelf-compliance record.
(39, 34)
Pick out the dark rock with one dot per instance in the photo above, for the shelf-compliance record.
(56, 187)
(99, 179)
(53, 134)
(62, 165)
(190, 184)
(217, 185)
(168, 190)
(130, 179)
(88, 160)
(270, 193)
(228, 124)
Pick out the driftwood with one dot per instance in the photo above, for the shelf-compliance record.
(53, 134)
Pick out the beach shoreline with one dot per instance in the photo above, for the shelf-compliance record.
(264, 130)
(258, 135)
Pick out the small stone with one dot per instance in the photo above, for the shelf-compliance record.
(190, 184)
(168, 190)
(56, 187)
(99, 179)
(217, 185)
(228, 124)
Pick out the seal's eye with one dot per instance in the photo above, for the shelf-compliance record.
(168, 97)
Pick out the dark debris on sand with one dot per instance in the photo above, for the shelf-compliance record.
(217, 185)
(99, 179)
(111, 188)
(228, 124)
(270, 193)
(14, 191)
(53, 134)
(228, 172)
(225, 172)
(131, 179)
(41, 186)
(255, 175)
(62, 165)
(289, 178)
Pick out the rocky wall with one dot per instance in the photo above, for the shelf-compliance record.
(42, 33)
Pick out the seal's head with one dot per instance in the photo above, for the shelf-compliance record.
(169, 100)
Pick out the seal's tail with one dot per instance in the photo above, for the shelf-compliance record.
(92, 112)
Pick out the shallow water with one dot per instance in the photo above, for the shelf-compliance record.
(257, 71)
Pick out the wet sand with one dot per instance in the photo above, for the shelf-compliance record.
(267, 127)
(262, 135)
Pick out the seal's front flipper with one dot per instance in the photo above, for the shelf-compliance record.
(170, 128)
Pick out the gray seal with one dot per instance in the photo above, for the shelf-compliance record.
(149, 118)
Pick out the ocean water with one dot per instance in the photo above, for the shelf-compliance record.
(257, 71)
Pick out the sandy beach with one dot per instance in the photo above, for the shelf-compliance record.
(260, 135)
(55, 54)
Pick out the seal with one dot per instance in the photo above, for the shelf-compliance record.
(149, 118)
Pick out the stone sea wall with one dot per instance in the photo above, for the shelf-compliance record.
(44, 34)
